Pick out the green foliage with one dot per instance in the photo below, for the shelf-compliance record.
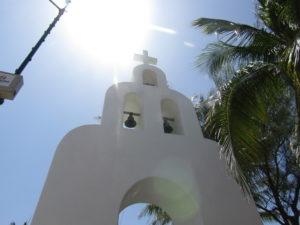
(161, 217)
(261, 146)
(247, 63)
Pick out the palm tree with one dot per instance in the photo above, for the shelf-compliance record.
(256, 69)
(273, 178)
(248, 63)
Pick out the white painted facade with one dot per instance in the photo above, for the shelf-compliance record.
(98, 170)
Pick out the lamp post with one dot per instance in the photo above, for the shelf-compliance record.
(11, 83)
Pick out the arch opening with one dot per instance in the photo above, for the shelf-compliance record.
(171, 117)
(144, 213)
(177, 201)
(149, 78)
(132, 111)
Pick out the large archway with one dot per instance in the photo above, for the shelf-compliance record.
(164, 193)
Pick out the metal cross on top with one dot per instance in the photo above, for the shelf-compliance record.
(145, 58)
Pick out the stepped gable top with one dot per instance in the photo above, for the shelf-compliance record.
(147, 74)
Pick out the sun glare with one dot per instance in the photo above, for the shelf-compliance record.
(110, 31)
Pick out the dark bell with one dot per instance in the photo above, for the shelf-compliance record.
(167, 128)
(130, 122)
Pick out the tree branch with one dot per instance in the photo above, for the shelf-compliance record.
(274, 190)
(271, 213)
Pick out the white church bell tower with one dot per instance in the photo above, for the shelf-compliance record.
(148, 149)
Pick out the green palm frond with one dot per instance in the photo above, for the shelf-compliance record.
(231, 32)
(291, 59)
(281, 17)
(236, 48)
(212, 26)
(289, 14)
(161, 217)
(267, 217)
(219, 57)
(236, 120)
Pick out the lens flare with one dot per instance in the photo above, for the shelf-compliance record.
(110, 31)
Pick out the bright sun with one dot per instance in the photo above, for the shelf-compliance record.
(110, 31)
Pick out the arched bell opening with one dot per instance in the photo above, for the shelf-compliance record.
(144, 213)
(132, 111)
(171, 121)
(149, 78)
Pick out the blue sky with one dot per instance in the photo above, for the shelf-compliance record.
(64, 85)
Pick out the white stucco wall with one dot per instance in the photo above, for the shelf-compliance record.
(98, 170)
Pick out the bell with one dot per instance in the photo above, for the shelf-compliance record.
(167, 128)
(130, 122)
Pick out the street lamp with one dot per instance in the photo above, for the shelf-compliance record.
(10, 83)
